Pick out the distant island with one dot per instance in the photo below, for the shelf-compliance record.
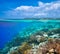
(42, 18)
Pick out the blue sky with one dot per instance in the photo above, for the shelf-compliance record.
(18, 9)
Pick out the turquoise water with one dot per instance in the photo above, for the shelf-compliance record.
(10, 28)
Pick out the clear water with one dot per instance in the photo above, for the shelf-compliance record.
(9, 28)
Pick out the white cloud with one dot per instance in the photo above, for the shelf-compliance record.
(23, 8)
(42, 10)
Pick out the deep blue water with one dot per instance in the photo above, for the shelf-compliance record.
(8, 29)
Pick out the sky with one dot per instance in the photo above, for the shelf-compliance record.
(20, 9)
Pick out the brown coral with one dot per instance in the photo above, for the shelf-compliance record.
(53, 46)
(24, 48)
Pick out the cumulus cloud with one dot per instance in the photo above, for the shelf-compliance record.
(42, 10)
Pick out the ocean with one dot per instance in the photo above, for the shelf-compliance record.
(9, 28)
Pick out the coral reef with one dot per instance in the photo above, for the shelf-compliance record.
(40, 42)
(23, 49)
(52, 46)
(49, 47)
